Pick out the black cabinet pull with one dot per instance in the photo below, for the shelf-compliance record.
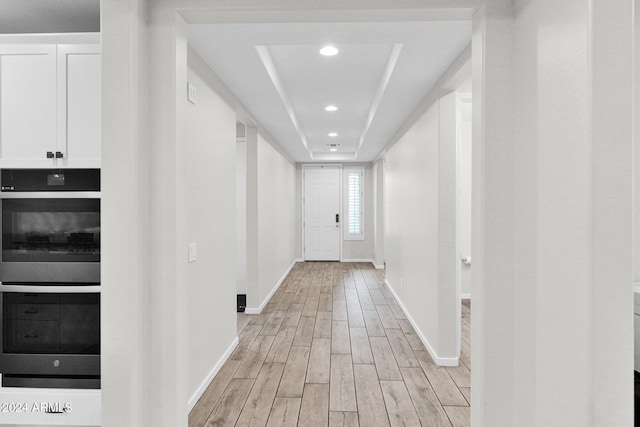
(337, 217)
(50, 155)
(59, 155)
(31, 336)
(31, 312)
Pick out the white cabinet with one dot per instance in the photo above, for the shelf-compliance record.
(27, 101)
(78, 140)
(50, 105)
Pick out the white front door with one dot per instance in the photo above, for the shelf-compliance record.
(321, 213)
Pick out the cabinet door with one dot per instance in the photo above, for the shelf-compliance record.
(27, 103)
(79, 130)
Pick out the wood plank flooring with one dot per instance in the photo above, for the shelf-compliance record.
(333, 348)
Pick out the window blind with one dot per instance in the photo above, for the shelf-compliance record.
(354, 213)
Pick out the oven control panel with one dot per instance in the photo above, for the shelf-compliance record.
(46, 180)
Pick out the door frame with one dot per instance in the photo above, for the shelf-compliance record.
(306, 166)
(461, 97)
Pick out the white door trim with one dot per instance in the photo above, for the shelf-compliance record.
(460, 98)
(302, 222)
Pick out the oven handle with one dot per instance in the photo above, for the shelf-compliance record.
(52, 289)
(50, 195)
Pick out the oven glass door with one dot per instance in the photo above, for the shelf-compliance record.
(50, 230)
(51, 323)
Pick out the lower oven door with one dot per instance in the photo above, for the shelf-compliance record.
(50, 336)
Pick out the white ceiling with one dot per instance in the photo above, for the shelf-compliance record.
(378, 78)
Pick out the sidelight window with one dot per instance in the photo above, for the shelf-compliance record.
(354, 203)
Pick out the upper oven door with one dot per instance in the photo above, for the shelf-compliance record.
(50, 237)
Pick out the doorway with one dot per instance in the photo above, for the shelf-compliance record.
(321, 212)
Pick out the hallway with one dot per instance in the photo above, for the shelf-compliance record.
(333, 347)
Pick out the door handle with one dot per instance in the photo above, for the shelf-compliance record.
(337, 217)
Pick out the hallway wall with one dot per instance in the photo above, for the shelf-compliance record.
(636, 168)
(552, 199)
(419, 179)
(209, 157)
(276, 217)
(378, 213)
(465, 187)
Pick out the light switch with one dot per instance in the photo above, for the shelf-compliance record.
(191, 93)
(193, 251)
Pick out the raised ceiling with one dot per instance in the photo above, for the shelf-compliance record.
(378, 78)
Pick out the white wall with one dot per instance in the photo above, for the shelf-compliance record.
(464, 208)
(210, 153)
(276, 217)
(636, 168)
(298, 247)
(378, 212)
(419, 177)
(125, 258)
(251, 215)
(552, 199)
(241, 209)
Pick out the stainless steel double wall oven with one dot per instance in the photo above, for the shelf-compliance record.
(50, 278)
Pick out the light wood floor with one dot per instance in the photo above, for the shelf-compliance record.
(333, 348)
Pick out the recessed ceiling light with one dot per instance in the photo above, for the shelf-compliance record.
(329, 51)
(333, 134)
(331, 108)
(333, 149)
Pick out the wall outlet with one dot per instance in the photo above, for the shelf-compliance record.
(193, 251)
(191, 93)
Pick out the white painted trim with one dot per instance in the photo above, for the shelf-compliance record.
(378, 266)
(51, 38)
(272, 72)
(253, 310)
(203, 387)
(465, 296)
(440, 361)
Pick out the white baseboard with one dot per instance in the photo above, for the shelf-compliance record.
(378, 266)
(465, 296)
(258, 310)
(203, 387)
(440, 361)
